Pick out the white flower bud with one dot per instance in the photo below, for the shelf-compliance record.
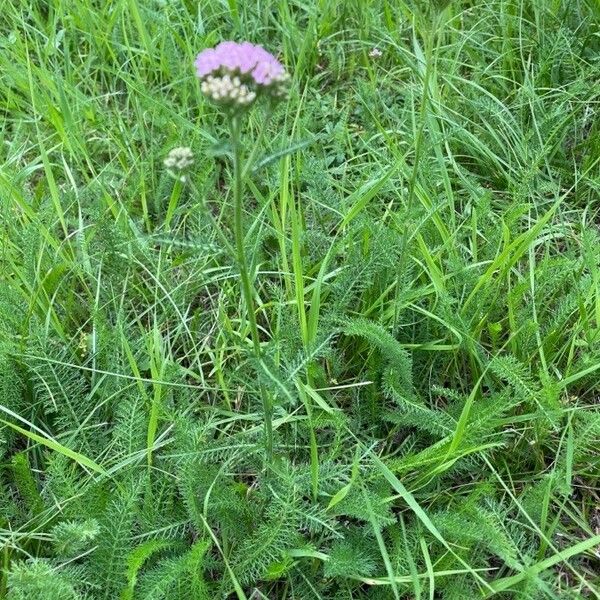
(179, 159)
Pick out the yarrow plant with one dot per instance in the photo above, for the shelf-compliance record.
(234, 76)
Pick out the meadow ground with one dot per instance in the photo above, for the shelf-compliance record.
(421, 232)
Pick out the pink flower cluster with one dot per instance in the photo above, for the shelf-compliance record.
(233, 73)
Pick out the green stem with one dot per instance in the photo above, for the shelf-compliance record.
(261, 134)
(246, 283)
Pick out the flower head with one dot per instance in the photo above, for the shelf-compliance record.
(179, 158)
(178, 162)
(234, 74)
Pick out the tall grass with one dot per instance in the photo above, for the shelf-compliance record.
(421, 231)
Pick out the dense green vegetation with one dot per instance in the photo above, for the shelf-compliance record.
(423, 235)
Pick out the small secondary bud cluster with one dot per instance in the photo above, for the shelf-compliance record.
(179, 159)
(279, 86)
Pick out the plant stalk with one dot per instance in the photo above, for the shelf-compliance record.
(246, 282)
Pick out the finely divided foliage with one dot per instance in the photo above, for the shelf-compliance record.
(348, 347)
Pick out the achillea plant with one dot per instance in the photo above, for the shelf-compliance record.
(427, 302)
(234, 76)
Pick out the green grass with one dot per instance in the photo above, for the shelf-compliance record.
(421, 231)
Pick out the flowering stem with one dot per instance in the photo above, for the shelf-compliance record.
(252, 157)
(246, 283)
